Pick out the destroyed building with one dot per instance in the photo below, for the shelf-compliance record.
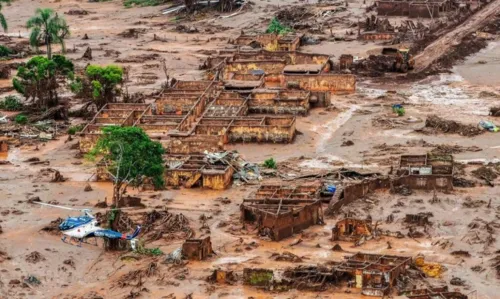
(197, 249)
(428, 172)
(195, 171)
(280, 212)
(270, 41)
(351, 229)
(373, 274)
(198, 116)
(420, 219)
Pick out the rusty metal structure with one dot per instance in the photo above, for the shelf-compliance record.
(197, 249)
(279, 212)
(351, 229)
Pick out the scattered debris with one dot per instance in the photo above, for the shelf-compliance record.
(35, 257)
(286, 256)
(435, 124)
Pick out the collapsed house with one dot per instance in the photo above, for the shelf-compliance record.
(270, 41)
(379, 28)
(195, 171)
(428, 172)
(373, 274)
(197, 249)
(420, 219)
(283, 70)
(351, 229)
(281, 212)
(198, 116)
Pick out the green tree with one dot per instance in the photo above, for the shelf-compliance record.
(39, 79)
(48, 27)
(3, 21)
(131, 157)
(102, 84)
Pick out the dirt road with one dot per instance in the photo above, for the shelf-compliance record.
(442, 45)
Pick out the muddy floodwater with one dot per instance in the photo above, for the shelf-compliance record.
(483, 67)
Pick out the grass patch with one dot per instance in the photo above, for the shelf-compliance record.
(270, 163)
(21, 119)
(75, 129)
(4, 51)
(276, 27)
(142, 3)
(11, 103)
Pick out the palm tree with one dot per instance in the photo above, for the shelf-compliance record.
(47, 26)
(3, 21)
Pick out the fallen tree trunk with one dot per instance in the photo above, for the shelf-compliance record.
(57, 112)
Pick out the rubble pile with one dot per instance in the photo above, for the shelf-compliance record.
(35, 257)
(286, 256)
(495, 111)
(134, 278)
(454, 149)
(485, 173)
(163, 224)
(53, 226)
(435, 124)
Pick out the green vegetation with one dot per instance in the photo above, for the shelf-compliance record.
(142, 3)
(11, 103)
(149, 251)
(131, 157)
(75, 129)
(270, 163)
(3, 21)
(4, 51)
(48, 27)
(100, 83)
(276, 27)
(400, 111)
(261, 278)
(39, 79)
(21, 119)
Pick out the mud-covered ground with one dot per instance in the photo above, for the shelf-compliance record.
(462, 219)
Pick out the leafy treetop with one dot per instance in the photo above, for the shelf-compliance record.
(38, 78)
(131, 155)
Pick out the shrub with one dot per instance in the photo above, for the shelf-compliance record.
(4, 51)
(75, 129)
(11, 103)
(400, 111)
(276, 27)
(21, 119)
(270, 163)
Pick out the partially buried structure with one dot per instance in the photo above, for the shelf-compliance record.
(429, 172)
(279, 212)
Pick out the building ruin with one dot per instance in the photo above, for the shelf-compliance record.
(351, 229)
(197, 249)
(280, 212)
